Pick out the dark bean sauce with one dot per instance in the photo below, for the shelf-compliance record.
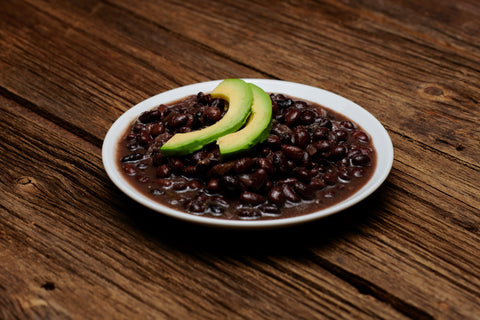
(313, 159)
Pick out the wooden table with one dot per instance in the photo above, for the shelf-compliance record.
(72, 246)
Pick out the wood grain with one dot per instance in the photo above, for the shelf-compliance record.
(72, 246)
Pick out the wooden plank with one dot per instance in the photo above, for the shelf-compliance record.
(94, 78)
(76, 239)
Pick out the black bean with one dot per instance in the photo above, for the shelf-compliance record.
(341, 135)
(293, 152)
(284, 103)
(275, 195)
(158, 159)
(165, 183)
(273, 141)
(195, 184)
(289, 193)
(326, 123)
(361, 160)
(144, 138)
(230, 183)
(307, 116)
(213, 185)
(291, 117)
(252, 198)
(360, 136)
(300, 104)
(338, 151)
(197, 206)
(132, 157)
(254, 181)
(178, 120)
(317, 184)
(243, 165)
(347, 125)
(322, 145)
(267, 165)
(301, 137)
(213, 114)
(330, 178)
(306, 192)
(249, 213)
(176, 165)
(163, 171)
(344, 173)
(218, 103)
(157, 129)
(302, 173)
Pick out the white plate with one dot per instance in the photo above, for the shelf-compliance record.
(369, 123)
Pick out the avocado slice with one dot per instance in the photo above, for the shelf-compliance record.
(239, 96)
(256, 129)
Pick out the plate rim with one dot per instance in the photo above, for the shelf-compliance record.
(385, 158)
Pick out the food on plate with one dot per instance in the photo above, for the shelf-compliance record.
(296, 159)
(238, 94)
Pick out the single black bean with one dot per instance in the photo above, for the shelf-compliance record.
(341, 135)
(347, 125)
(164, 183)
(289, 193)
(320, 133)
(275, 195)
(243, 165)
(178, 120)
(291, 117)
(361, 160)
(273, 141)
(157, 129)
(360, 136)
(213, 114)
(338, 152)
(301, 137)
(213, 185)
(307, 116)
(163, 171)
(252, 198)
(293, 152)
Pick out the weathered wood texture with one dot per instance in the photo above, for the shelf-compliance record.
(72, 246)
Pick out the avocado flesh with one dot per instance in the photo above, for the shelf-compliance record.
(239, 96)
(256, 129)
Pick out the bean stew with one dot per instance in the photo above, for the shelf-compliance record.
(312, 159)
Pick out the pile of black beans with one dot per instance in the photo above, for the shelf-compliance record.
(310, 153)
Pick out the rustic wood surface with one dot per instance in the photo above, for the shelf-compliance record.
(72, 246)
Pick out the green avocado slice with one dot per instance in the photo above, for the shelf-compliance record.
(239, 96)
(256, 129)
